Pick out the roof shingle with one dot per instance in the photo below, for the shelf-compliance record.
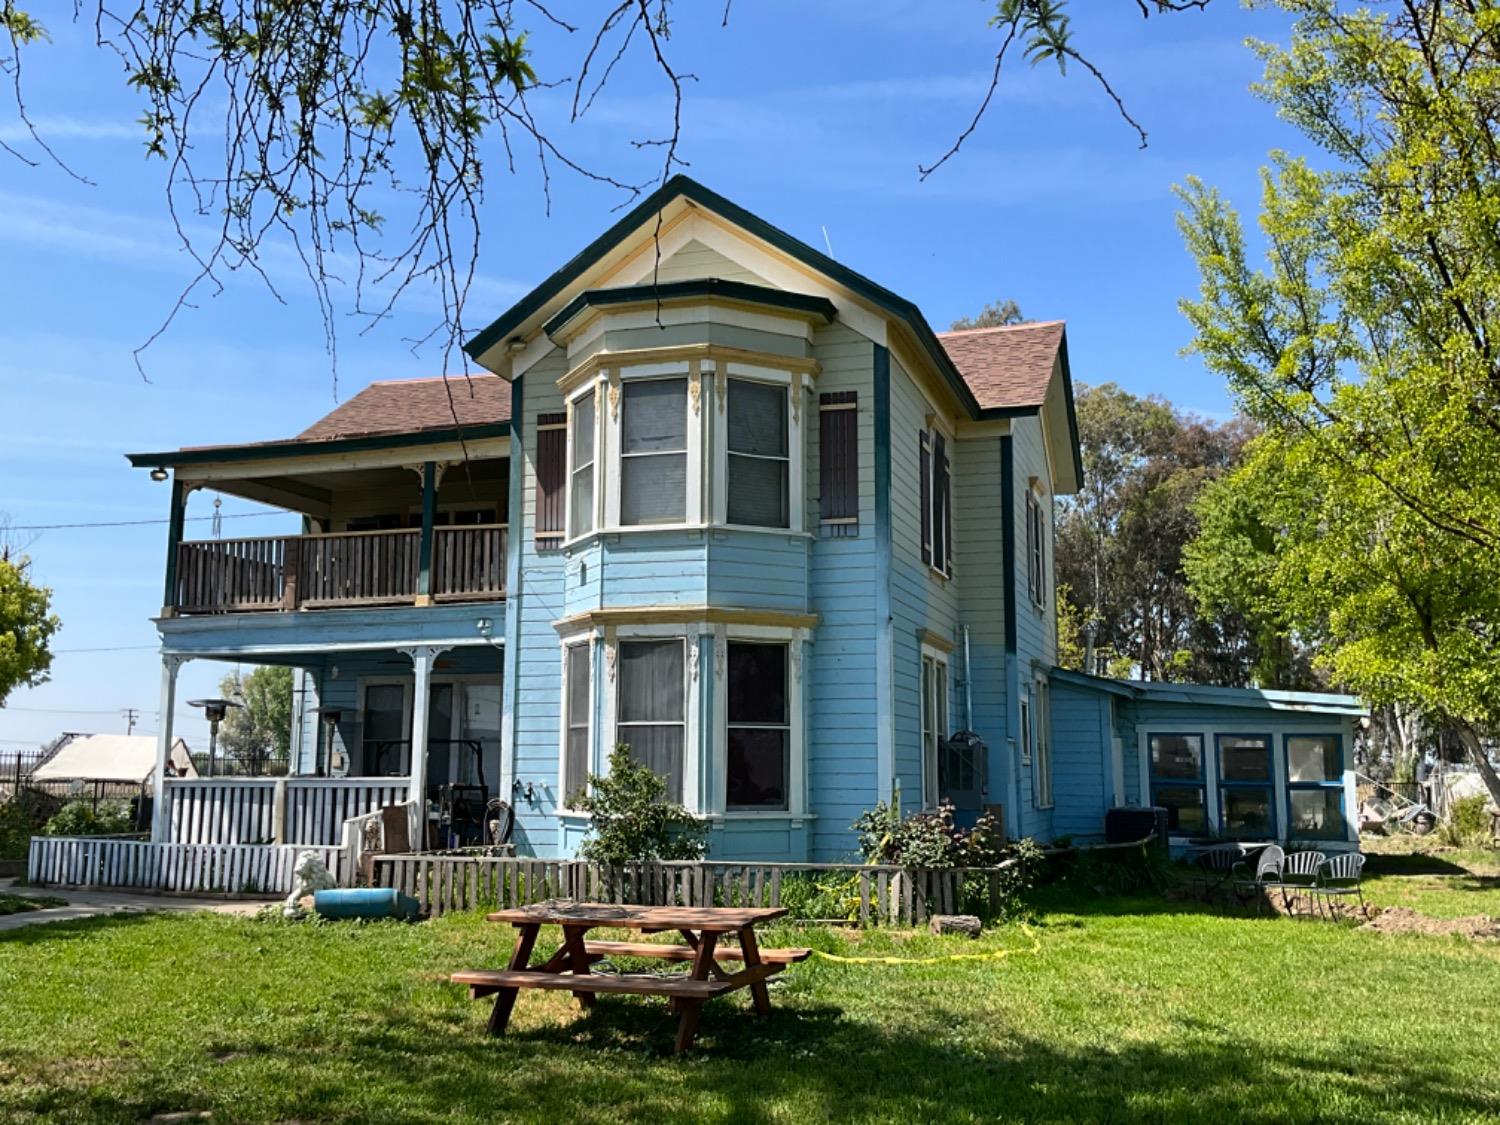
(404, 406)
(1007, 366)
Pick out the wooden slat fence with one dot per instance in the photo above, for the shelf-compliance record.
(468, 562)
(225, 575)
(359, 567)
(864, 895)
(202, 868)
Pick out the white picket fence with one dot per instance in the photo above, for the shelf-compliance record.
(141, 865)
(262, 810)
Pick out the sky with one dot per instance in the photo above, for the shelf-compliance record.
(813, 116)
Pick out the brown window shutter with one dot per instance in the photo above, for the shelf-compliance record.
(925, 458)
(838, 463)
(551, 477)
(941, 539)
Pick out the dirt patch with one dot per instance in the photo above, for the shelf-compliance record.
(1404, 920)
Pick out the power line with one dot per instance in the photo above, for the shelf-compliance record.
(136, 523)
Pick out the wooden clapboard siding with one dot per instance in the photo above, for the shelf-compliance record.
(693, 261)
(1081, 770)
(175, 867)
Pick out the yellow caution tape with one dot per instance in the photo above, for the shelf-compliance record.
(993, 955)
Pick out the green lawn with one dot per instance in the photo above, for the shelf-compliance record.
(1134, 1009)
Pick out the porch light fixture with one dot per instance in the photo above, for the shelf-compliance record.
(214, 711)
(159, 474)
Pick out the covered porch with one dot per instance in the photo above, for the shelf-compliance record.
(373, 726)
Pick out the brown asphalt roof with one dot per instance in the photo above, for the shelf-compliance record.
(403, 406)
(1008, 366)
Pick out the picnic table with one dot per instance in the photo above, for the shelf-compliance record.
(570, 969)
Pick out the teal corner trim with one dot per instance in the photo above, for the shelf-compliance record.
(429, 516)
(885, 746)
(1008, 535)
(174, 538)
(510, 659)
(686, 290)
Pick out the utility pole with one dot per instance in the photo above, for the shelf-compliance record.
(131, 715)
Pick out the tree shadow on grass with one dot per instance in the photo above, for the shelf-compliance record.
(1416, 863)
(38, 932)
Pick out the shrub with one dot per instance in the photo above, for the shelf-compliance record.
(632, 820)
(83, 818)
(928, 839)
(1468, 823)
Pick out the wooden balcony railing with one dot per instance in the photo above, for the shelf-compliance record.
(348, 568)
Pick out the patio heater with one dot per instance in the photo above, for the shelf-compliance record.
(323, 763)
(214, 711)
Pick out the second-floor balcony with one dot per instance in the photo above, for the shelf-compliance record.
(281, 573)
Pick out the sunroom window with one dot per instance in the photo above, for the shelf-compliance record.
(1245, 802)
(1177, 780)
(581, 501)
(759, 457)
(760, 730)
(1315, 787)
(653, 452)
(651, 715)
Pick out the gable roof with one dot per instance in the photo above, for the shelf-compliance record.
(109, 757)
(1007, 366)
(403, 406)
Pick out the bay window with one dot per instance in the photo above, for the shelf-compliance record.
(1176, 764)
(759, 727)
(581, 471)
(1246, 805)
(651, 707)
(759, 459)
(653, 452)
(1315, 787)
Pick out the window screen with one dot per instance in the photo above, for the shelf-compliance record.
(653, 452)
(579, 702)
(758, 454)
(651, 708)
(582, 499)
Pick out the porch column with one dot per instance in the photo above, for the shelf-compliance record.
(161, 825)
(422, 659)
(174, 540)
(429, 517)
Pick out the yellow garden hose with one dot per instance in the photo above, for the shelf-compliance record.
(993, 955)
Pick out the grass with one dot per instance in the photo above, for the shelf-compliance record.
(16, 904)
(1134, 1009)
(1424, 874)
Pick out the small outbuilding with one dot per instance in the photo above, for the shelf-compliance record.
(125, 759)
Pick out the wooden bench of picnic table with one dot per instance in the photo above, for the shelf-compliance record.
(570, 968)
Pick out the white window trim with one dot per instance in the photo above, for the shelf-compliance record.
(930, 782)
(1026, 728)
(591, 756)
(1041, 755)
(931, 430)
(598, 387)
(692, 772)
(1279, 732)
(615, 408)
(717, 801)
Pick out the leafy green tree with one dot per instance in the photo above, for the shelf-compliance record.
(26, 627)
(261, 729)
(1367, 348)
(632, 821)
(996, 314)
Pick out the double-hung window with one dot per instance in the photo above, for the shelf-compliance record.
(653, 452)
(759, 727)
(934, 723)
(1036, 549)
(581, 467)
(1176, 762)
(1315, 787)
(577, 704)
(1246, 806)
(935, 474)
(651, 707)
(1041, 770)
(759, 458)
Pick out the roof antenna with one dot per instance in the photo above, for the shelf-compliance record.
(826, 242)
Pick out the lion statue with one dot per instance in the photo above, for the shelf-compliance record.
(311, 876)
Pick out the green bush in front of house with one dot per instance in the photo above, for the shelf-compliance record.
(85, 818)
(632, 820)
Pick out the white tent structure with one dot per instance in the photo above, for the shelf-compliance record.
(128, 758)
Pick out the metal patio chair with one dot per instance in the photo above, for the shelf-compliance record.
(1260, 882)
(1216, 867)
(1338, 877)
(1299, 875)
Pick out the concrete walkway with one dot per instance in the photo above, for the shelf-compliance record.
(93, 904)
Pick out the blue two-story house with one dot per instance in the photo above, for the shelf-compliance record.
(720, 498)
